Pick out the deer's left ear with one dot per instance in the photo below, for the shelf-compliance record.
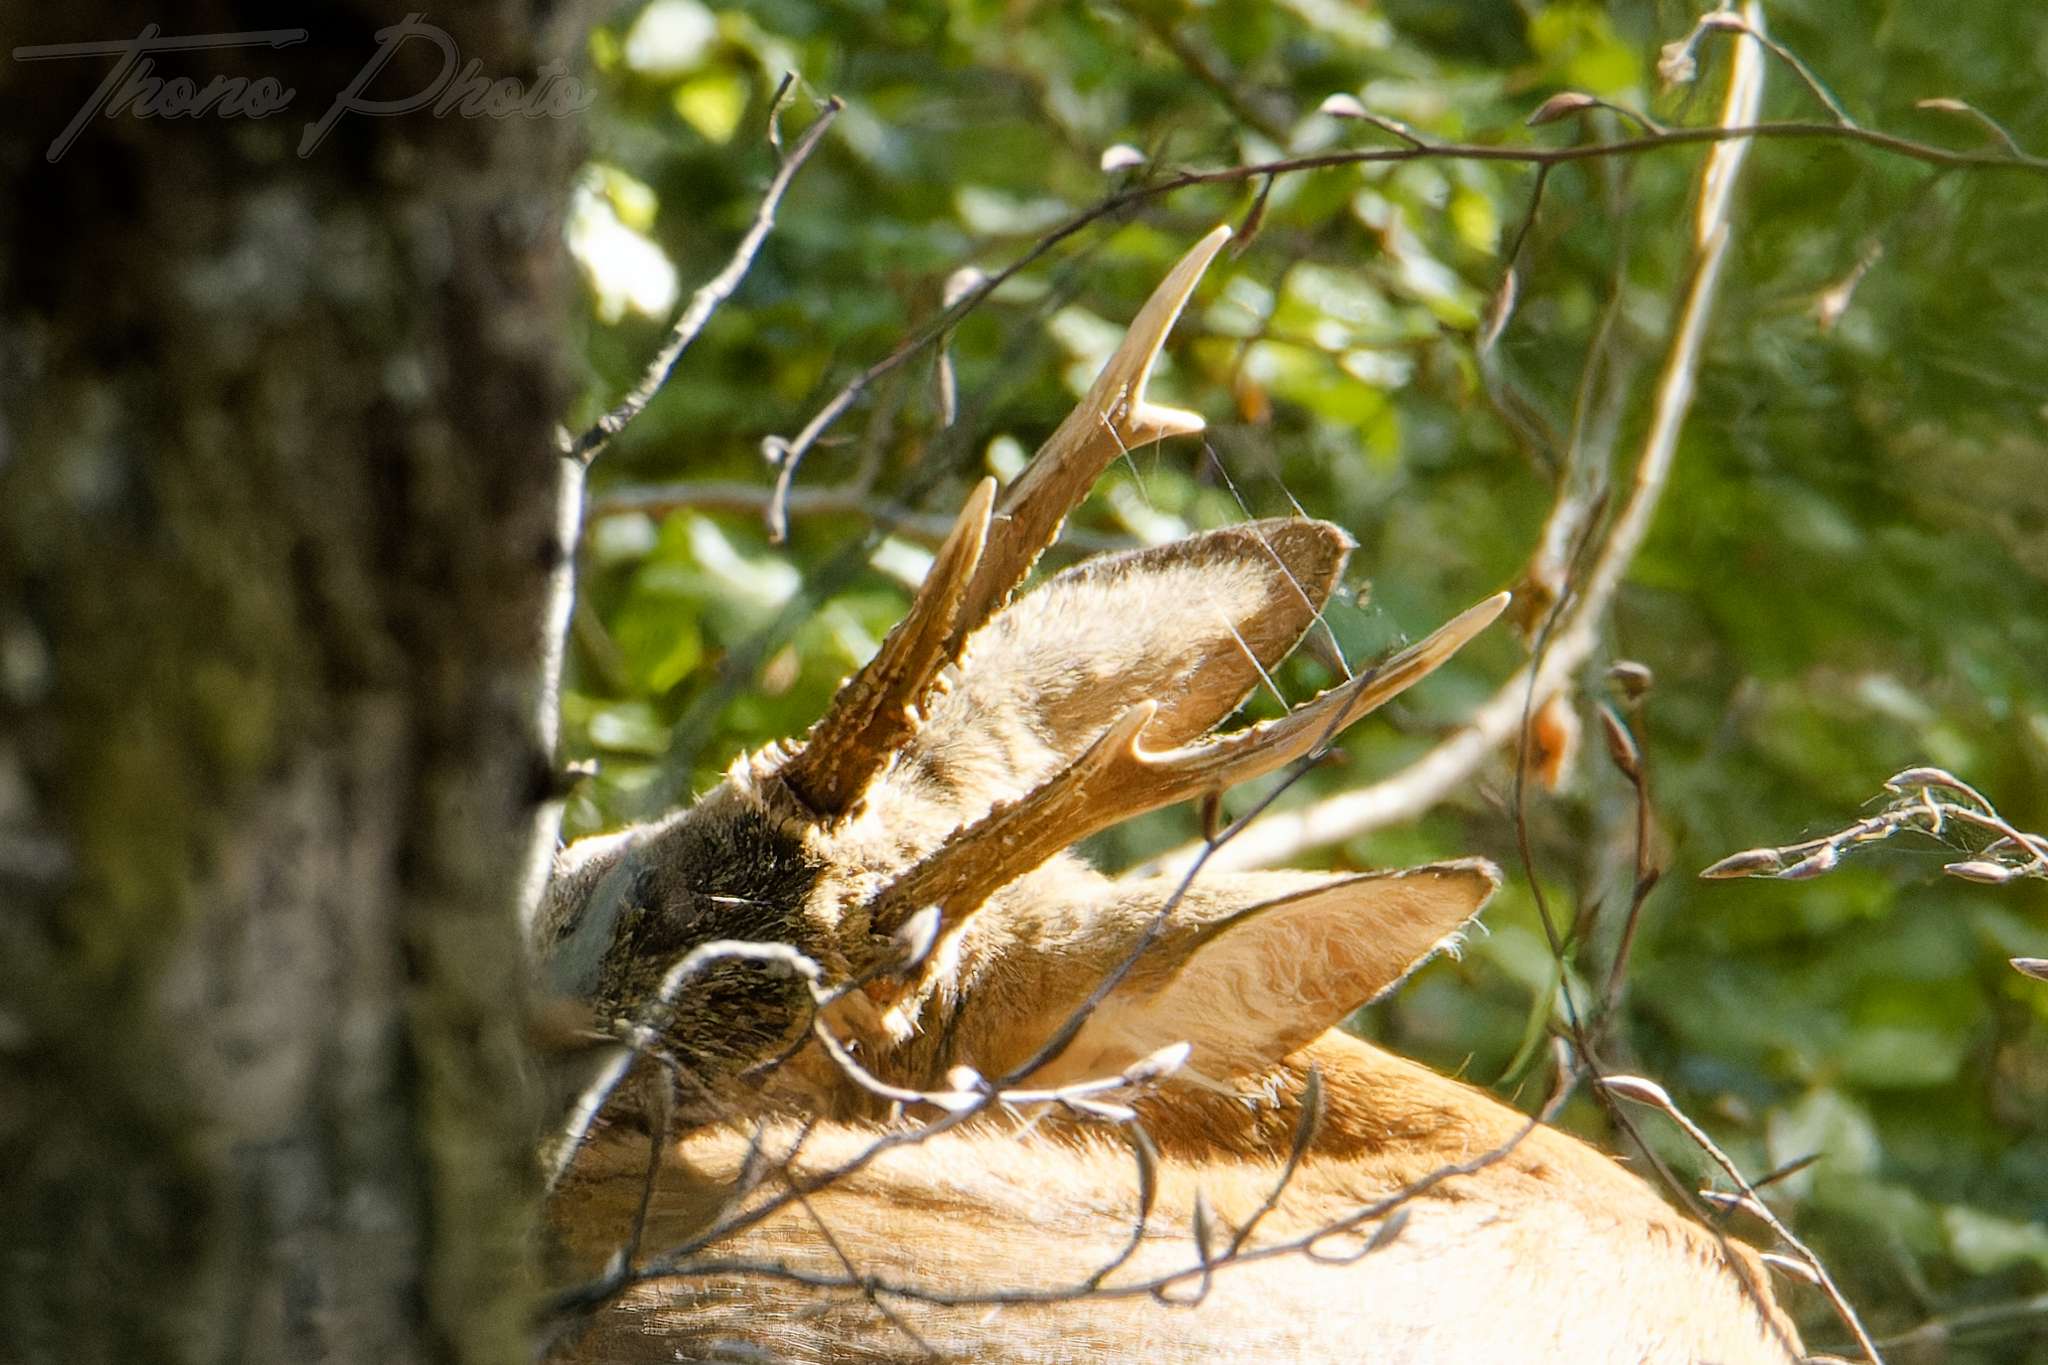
(1254, 965)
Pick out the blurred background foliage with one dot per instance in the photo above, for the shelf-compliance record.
(1848, 573)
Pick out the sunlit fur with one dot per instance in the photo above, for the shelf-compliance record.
(1552, 1253)
(1546, 1251)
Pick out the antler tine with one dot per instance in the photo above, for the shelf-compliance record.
(872, 713)
(1114, 417)
(1116, 778)
(983, 559)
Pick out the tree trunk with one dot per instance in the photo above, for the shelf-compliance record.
(277, 472)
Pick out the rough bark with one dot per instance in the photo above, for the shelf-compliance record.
(276, 474)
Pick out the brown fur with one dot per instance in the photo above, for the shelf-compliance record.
(949, 775)
(1552, 1252)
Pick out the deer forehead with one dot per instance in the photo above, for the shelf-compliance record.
(725, 867)
(743, 862)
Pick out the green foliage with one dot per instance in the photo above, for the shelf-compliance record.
(1847, 574)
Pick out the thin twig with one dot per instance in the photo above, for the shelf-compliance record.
(1955, 106)
(717, 495)
(712, 293)
(577, 455)
(1729, 23)
(647, 1026)
(1649, 1092)
(1628, 758)
(789, 453)
(1207, 72)
(868, 1290)
(2011, 853)
(1304, 1137)
(1146, 1154)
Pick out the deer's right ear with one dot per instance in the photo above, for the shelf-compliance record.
(1253, 966)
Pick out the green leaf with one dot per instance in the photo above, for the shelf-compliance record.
(1984, 1243)
(1828, 1122)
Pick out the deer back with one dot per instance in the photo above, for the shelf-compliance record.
(989, 1245)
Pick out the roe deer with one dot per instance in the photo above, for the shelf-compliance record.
(1309, 1196)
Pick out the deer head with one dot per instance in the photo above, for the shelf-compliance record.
(911, 848)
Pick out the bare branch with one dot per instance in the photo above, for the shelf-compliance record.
(1729, 23)
(1955, 106)
(1568, 102)
(712, 292)
(1924, 803)
(1206, 70)
(1304, 1135)
(1650, 1093)
(1146, 1155)
(1628, 758)
(788, 454)
(868, 1289)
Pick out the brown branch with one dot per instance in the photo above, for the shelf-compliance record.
(1993, 126)
(1725, 22)
(868, 1292)
(1627, 756)
(1146, 1154)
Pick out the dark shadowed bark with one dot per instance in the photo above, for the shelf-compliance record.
(276, 475)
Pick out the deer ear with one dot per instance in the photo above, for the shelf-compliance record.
(1192, 626)
(1254, 965)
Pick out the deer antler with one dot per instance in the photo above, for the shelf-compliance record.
(1115, 778)
(983, 560)
(1113, 418)
(874, 711)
